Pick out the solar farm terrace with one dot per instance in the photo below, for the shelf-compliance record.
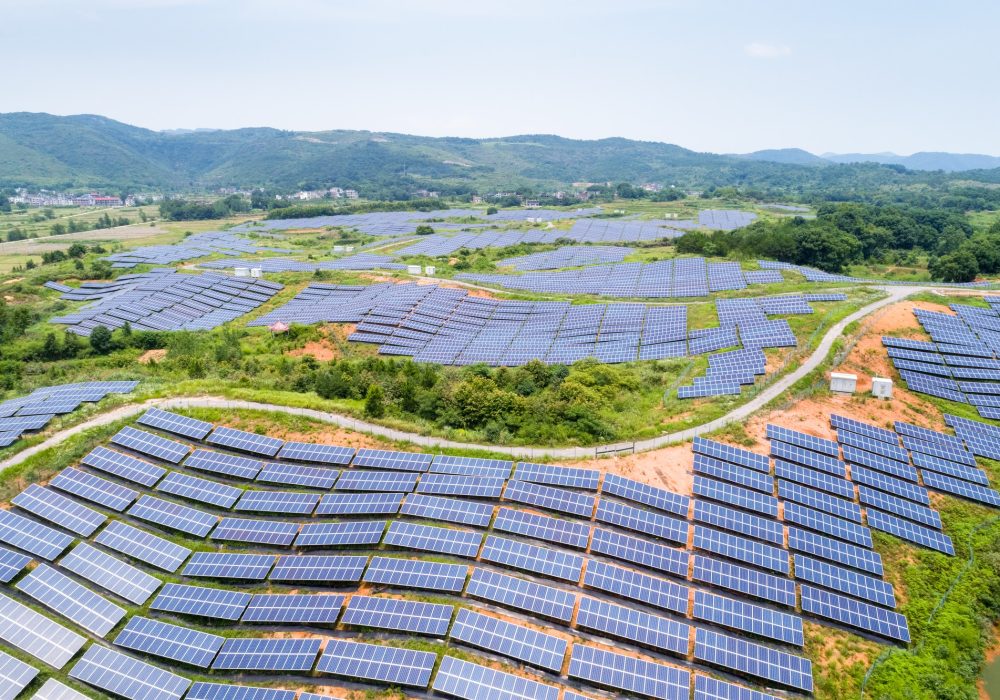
(960, 361)
(188, 560)
(162, 300)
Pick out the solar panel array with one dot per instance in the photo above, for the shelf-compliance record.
(679, 277)
(448, 326)
(197, 245)
(359, 261)
(960, 362)
(34, 411)
(610, 560)
(164, 300)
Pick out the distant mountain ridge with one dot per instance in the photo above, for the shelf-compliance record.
(924, 160)
(91, 151)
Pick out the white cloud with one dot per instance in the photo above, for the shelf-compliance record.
(758, 49)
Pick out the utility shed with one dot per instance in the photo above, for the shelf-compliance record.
(882, 387)
(843, 383)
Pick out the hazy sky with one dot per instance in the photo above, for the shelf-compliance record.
(837, 75)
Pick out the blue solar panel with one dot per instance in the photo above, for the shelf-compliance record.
(627, 673)
(899, 506)
(398, 615)
(221, 463)
(32, 537)
(868, 430)
(150, 444)
(638, 492)
(625, 583)
(746, 617)
(827, 524)
(550, 497)
(174, 423)
(918, 534)
(957, 487)
(173, 515)
(226, 691)
(202, 490)
(123, 466)
(878, 447)
(847, 581)
(834, 550)
(808, 458)
(321, 454)
(949, 468)
(804, 440)
(387, 459)
(739, 521)
(244, 441)
(167, 641)
(854, 613)
(554, 475)
(278, 502)
(59, 509)
(110, 573)
(644, 521)
(298, 475)
(71, 600)
(732, 454)
(451, 510)
(15, 675)
(469, 681)
(352, 533)
(639, 551)
(743, 580)
(812, 478)
(462, 543)
(414, 573)
(293, 608)
(543, 527)
(270, 532)
(376, 481)
(884, 482)
(143, 546)
(244, 654)
(214, 603)
(94, 489)
(519, 594)
(319, 568)
(741, 549)
(636, 626)
(11, 564)
(534, 558)
(514, 641)
(735, 496)
(250, 567)
(359, 504)
(377, 663)
(820, 501)
(122, 675)
(734, 654)
(709, 466)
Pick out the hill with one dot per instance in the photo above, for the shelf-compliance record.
(89, 151)
(924, 160)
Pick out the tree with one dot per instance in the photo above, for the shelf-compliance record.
(424, 230)
(960, 266)
(100, 340)
(375, 401)
(58, 229)
(77, 250)
(50, 348)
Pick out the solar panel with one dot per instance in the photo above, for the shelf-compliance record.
(949, 468)
(414, 573)
(644, 521)
(622, 672)
(377, 663)
(505, 638)
(957, 487)
(315, 567)
(743, 580)
(54, 690)
(883, 482)
(73, 601)
(278, 502)
(123, 466)
(174, 423)
(819, 501)
(844, 580)
(900, 506)
(150, 444)
(59, 509)
(32, 537)
(168, 641)
(359, 504)
(469, 681)
(639, 551)
(828, 524)
(94, 488)
(638, 492)
(813, 479)
(452, 510)
(735, 496)
(519, 594)
(15, 675)
(110, 573)
(294, 608)
(36, 634)
(376, 481)
(625, 583)
(11, 564)
(122, 675)
(872, 431)
(554, 475)
(251, 567)
(904, 529)
(734, 654)
(808, 458)
(202, 490)
(746, 617)
(735, 455)
(355, 533)
(320, 454)
(535, 558)
(398, 615)
(248, 654)
(462, 543)
(214, 603)
(244, 441)
(636, 626)
(270, 532)
(804, 440)
(939, 449)
(173, 516)
(706, 688)
(709, 466)
(543, 527)
(388, 459)
(221, 463)
(854, 613)
(225, 691)
(472, 466)
(740, 522)
(834, 550)
(298, 475)
(741, 549)
(143, 546)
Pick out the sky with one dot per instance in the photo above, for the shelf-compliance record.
(710, 75)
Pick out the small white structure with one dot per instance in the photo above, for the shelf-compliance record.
(843, 383)
(242, 271)
(882, 387)
(338, 249)
(430, 270)
(413, 269)
(256, 272)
